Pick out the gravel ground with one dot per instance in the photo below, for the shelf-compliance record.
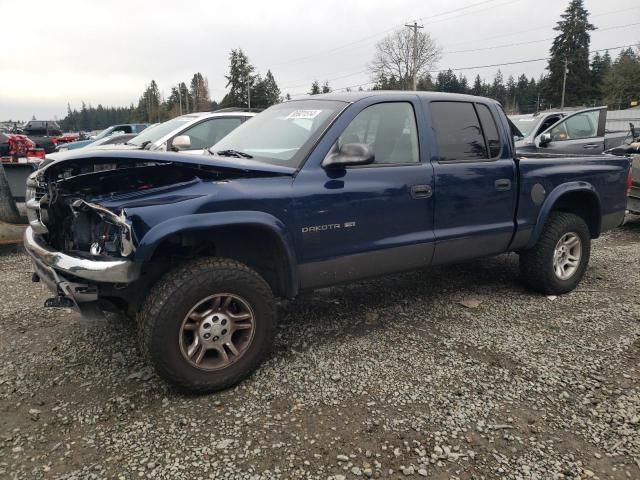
(458, 372)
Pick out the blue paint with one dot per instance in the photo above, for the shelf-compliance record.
(465, 217)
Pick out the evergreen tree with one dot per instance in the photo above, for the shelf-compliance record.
(477, 86)
(240, 75)
(265, 91)
(199, 93)
(315, 88)
(571, 45)
(498, 90)
(149, 104)
(447, 82)
(463, 84)
(425, 83)
(622, 83)
(600, 66)
(325, 87)
(510, 95)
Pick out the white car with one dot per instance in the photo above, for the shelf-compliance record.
(190, 133)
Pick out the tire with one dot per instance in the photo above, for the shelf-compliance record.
(537, 265)
(192, 290)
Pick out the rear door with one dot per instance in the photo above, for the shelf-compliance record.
(475, 181)
(581, 133)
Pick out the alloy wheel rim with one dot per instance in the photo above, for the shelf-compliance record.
(567, 255)
(217, 331)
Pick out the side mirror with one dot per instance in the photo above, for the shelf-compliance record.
(181, 142)
(545, 139)
(349, 154)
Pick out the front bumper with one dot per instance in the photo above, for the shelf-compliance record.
(64, 274)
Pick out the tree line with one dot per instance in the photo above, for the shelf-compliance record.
(591, 80)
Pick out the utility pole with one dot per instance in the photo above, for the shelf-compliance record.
(414, 69)
(180, 98)
(564, 81)
(248, 92)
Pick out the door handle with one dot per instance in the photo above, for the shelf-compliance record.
(592, 145)
(421, 191)
(502, 184)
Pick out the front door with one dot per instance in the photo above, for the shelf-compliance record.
(581, 133)
(361, 221)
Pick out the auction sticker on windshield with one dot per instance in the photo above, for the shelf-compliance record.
(304, 114)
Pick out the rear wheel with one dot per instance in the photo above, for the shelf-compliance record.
(557, 262)
(207, 324)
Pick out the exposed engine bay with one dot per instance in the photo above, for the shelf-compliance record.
(70, 196)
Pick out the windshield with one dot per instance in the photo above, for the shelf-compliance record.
(104, 133)
(525, 124)
(282, 134)
(153, 134)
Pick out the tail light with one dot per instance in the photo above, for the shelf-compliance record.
(36, 153)
(629, 179)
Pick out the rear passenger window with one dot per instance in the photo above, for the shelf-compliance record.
(390, 131)
(490, 129)
(458, 132)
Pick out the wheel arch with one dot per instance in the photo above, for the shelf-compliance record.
(579, 198)
(258, 239)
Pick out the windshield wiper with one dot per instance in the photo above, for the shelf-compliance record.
(233, 153)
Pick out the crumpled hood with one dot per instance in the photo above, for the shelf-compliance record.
(142, 156)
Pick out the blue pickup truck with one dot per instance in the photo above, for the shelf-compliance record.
(310, 193)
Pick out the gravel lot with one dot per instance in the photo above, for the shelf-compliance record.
(458, 372)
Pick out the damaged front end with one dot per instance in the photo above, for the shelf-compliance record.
(81, 248)
(65, 203)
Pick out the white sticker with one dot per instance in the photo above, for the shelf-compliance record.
(304, 114)
(527, 119)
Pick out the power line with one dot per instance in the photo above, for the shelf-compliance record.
(301, 84)
(545, 27)
(475, 67)
(378, 34)
(533, 41)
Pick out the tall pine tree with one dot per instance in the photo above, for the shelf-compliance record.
(240, 76)
(571, 45)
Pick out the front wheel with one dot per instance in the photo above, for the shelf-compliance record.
(557, 262)
(207, 324)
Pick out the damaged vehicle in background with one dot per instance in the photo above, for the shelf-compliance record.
(577, 133)
(308, 194)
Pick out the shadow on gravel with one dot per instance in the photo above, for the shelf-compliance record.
(415, 299)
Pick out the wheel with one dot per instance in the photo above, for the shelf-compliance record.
(557, 262)
(207, 324)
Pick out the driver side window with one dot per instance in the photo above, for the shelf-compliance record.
(582, 125)
(389, 129)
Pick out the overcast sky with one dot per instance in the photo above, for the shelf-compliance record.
(106, 52)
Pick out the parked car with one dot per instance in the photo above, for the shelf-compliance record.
(115, 139)
(190, 133)
(44, 133)
(577, 133)
(532, 125)
(308, 194)
(122, 128)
